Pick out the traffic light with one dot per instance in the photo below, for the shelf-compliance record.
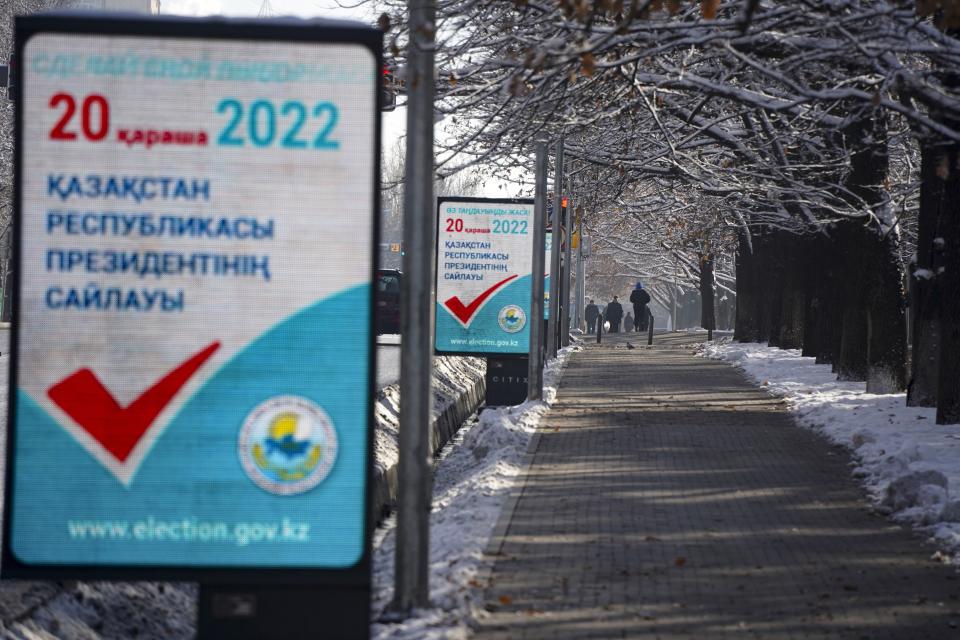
(388, 88)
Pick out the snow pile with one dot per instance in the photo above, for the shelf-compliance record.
(909, 464)
(167, 611)
(473, 480)
(452, 376)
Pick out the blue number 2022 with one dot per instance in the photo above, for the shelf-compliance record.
(261, 120)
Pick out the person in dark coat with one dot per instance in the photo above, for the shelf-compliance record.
(592, 312)
(614, 314)
(639, 298)
(628, 323)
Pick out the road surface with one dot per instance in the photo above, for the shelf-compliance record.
(388, 360)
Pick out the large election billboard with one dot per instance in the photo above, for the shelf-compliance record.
(484, 264)
(191, 388)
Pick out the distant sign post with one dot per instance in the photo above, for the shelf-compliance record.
(196, 217)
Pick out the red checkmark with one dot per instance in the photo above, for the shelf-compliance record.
(465, 313)
(84, 398)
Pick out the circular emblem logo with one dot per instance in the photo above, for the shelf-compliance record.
(287, 445)
(512, 318)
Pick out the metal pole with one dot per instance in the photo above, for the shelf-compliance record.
(555, 254)
(535, 371)
(577, 298)
(7, 276)
(579, 294)
(411, 573)
(567, 269)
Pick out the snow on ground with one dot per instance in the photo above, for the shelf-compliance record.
(472, 482)
(909, 464)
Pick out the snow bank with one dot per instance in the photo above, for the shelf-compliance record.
(457, 391)
(909, 465)
(167, 611)
(473, 481)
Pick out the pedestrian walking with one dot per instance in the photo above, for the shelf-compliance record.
(628, 322)
(614, 314)
(639, 298)
(592, 312)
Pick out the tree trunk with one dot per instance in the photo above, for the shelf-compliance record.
(761, 299)
(813, 278)
(835, 330)
(925, 328)
(882, 284)
(828, 295)
(872, 347)
(745, 327)
(772, 291)
(851, 362)
(708, 316)
(792, 299)
(946, 262)
(886, 315)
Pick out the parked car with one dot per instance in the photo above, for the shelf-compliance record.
(388, 301)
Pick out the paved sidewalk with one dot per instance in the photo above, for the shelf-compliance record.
(670, 498)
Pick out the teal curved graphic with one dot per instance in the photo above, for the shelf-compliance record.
(191, 503)
(485, 335)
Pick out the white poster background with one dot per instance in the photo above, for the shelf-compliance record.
(478, 229)
(311, 195)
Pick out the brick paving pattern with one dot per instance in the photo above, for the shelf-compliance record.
(670, 498)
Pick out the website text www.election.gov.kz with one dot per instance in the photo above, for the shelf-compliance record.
(484, 342)
(189, 530)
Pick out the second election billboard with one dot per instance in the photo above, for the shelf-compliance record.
(484, 263)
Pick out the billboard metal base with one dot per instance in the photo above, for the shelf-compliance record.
(242, 612)
(506, 381)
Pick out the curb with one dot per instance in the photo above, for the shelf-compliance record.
(450, 411)
(499, 533)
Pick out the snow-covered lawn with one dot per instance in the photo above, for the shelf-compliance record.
(909, 464)
(471, 485)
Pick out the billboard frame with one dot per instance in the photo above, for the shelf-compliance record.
(282, 30)
(436, 272)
